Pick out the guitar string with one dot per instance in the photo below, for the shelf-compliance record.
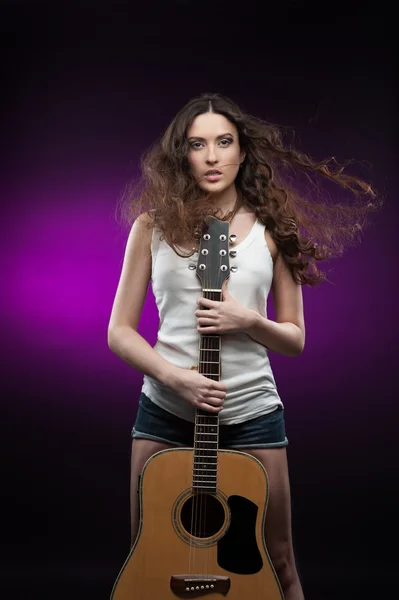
(204, 433)
(210, 443)
(206, 369)
(191, 561)
(197, 452)
(205, 438)
(202, 436)
(215, 418)
(209, 417)
(201, 430)
(205, 344)
(196, 460)
(193, 526)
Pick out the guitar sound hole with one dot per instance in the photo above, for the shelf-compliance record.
(202, 515)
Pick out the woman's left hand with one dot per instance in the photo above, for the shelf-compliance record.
(222, 317)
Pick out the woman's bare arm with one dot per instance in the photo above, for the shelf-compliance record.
(131, 292)
(286, 335)
(130, 346)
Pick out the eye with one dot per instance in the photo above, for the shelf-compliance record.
(224, 142)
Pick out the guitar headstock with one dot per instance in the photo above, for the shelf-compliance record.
(213, 262)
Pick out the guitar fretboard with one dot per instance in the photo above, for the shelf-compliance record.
(206, 433)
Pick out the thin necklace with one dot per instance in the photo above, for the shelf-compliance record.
(238, 204)
(229, 216)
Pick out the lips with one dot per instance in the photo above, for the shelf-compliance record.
(213, 176)
(213, 172)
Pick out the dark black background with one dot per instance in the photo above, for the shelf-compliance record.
(65, 521)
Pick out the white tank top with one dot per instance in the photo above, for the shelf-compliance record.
(245, 366)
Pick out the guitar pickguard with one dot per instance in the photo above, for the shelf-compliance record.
(238, 551)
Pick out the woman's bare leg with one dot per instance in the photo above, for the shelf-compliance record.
(278, 520)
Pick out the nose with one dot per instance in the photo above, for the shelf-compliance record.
(211, 158)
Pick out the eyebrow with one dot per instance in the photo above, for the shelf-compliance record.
(196, 137)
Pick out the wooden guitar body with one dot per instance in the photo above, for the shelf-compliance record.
(200, 545)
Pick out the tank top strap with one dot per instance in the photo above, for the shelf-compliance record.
(257, 234)
(155, 243)
(260, 229)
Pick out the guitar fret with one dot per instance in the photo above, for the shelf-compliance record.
(205, 468)
(199, 457)
(199, 483)
(209, 375)
(217, 349)
(208, 362)
(209, 487)
(206, 456)
(212, 360)
(210, 344)
(214, 373)
(211, 349)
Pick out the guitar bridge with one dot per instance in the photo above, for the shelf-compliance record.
(195, 586)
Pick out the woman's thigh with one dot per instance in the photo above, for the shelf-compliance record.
(278, 517)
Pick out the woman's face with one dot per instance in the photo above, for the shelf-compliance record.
(214, 153)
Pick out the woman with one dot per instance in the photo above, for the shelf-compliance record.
(216, 160)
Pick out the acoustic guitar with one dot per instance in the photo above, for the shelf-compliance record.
(202, 509)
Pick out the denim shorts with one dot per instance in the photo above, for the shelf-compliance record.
(155, 423)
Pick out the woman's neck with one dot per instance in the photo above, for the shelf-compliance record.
(227, 200)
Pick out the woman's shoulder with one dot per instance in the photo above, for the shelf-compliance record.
(144, 224)
(271, 244)
(141, 231)
(145, 221)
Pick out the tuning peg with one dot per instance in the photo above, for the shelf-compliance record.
(233, 238)
(233, 253)
(234, 269)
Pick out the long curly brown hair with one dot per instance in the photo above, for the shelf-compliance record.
(282, 185)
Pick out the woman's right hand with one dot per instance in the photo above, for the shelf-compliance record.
(198, 390)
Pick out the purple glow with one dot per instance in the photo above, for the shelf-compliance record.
(62, 265)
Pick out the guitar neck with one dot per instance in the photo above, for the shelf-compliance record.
(206, 433)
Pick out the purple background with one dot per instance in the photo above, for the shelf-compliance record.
(85, 93)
